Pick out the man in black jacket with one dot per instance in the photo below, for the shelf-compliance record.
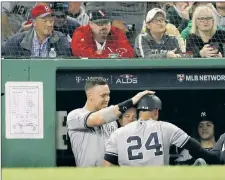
(64, 23)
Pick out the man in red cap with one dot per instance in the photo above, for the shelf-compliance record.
(99, 39)
(40, 40)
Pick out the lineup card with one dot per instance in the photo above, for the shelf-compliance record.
(24, 110)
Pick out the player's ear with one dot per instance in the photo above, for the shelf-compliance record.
(155, 112)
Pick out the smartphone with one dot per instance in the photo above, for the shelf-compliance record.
(215, 46)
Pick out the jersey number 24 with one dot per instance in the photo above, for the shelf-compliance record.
(156, 146)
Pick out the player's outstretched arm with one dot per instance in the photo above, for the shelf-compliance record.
(112, 113)
(197, 151)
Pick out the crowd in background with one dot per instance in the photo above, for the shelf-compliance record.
(113, 30)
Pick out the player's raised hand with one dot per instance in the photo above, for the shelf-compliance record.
(139, 95)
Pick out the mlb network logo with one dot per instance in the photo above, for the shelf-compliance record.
(181, 77)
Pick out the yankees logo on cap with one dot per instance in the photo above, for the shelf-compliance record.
(206, 115)
(203, 114)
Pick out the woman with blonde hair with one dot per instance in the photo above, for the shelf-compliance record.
(205, 40)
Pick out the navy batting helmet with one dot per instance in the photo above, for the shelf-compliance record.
(149, 103)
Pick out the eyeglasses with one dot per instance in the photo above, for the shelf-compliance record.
(158, 21)
(47, 19)
(203, 19)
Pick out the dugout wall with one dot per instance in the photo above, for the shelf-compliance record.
(62, 76)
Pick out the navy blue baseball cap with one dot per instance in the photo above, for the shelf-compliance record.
(206, 116)
(98, 16)
(59, 8)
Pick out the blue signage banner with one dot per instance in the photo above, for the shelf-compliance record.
(174, 79)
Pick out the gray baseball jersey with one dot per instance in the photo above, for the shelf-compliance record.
(88, 143)
(145, 143)
(220, 144)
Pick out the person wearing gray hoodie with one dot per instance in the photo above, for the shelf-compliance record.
(155, 42)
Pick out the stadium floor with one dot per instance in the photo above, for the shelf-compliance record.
(125, 173)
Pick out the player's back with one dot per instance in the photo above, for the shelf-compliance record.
(147, 143)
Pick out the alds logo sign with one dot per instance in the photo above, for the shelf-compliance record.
(127, 79)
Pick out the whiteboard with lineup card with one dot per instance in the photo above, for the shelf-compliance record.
(24, 110)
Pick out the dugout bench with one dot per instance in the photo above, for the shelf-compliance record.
(185, 86)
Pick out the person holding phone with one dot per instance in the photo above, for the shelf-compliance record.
(205, 40)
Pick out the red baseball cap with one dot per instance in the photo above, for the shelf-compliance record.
(40, 11)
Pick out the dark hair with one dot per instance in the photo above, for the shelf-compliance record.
(94, 81)
(195, 133)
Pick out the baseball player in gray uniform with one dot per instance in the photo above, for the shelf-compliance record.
(90, 127)
(146, 142)
(220, 147)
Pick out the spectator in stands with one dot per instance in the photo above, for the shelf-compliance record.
(155, 43)
(123, 15)
(205, 40)
(63, 23)
(77, 12)
(28, 23)
(162, 5)
(178, 14)
(205, 135)
(38, 41)
(171, 30)
(220, 13)
(219, 20)
(13, 15)
(99, 39)
(129, 116)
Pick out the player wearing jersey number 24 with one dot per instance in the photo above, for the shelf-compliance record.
(146, 142)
